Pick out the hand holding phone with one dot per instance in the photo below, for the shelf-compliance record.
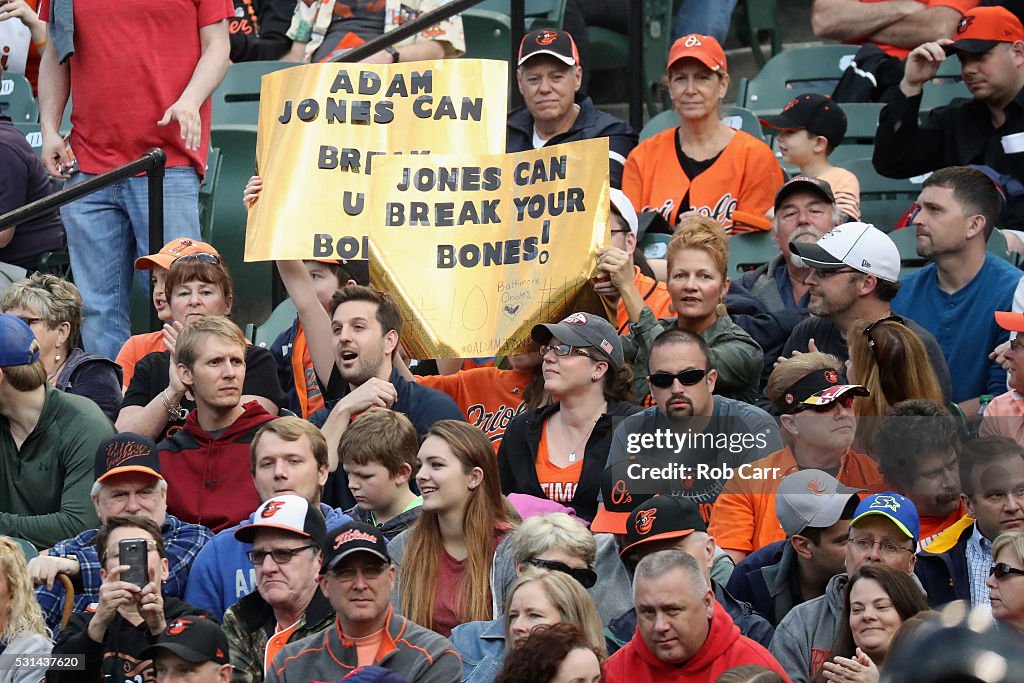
(134, 552)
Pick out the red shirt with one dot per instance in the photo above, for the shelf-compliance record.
(132, 61)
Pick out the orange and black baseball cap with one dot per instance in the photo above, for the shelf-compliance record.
(127, 452)
(549, 41)
(704, 49)
(982, 28)
(174, 249)
(194, 639)
(617, 501)
(661, 518)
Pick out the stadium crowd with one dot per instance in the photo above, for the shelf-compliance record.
(797, 475)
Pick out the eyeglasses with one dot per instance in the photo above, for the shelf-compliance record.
(824, 273)
(889, 549)
(871, 327)
(201, 257)
(664, 380)
(280, 555)
(370, 572)
(1001, 570)
(564, 350)
(585, 577)
(29, 321)
(844, 401)
(621, 232)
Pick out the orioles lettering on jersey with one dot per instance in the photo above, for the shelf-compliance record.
(721, 211)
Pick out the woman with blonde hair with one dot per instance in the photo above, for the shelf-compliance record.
(52, 308)
(891, 362)
(539, 597)
(23, 630)
(451, 547)
(1006, 578)
(698, 263)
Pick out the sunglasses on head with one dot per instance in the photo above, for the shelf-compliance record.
(201, 257)
(586, 577)
(1001, 570)
(845, 401)
(871, 327)
(664, 380)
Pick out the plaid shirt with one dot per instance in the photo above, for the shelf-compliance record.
(182, 540)
(979, 561)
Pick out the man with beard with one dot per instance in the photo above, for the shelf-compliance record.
(854, 275)
(918, 448)
(688, 443)
(957, 294)
(805, 209)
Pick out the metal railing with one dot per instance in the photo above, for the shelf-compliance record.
(151, 163)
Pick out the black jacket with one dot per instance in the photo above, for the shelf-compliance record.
(258, 30)
(943, 572)
(768, 580)
(116, 659)
(591, 123)
(517, 455)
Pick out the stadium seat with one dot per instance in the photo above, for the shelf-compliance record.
(750, 250)
(488, 27)
(737, 117)
(281, 318)
(883, 201)
(253, 281)
(756, 21)
(207, 192)
(16, 99)
(32, 135)
(791, 72)
(609, 50)
(906, 242)
(940, 94)
(861, 127)
(237, 98)
(654, 245)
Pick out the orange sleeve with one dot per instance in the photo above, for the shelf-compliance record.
(127, 357)
(762, 178)
(632, 178)
(732, 517)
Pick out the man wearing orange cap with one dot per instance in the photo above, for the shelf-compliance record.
(986, 132)
(139, 345)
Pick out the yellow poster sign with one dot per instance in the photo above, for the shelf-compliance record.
(324, 128)
(478, 249)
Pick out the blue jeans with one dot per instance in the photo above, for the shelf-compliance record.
(107, 230)
(706, 17)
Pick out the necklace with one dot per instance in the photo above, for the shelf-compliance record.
(56, 371)
(583, 441)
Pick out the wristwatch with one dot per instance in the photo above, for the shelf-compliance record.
(395, 57)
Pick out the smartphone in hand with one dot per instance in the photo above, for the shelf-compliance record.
(134, 552)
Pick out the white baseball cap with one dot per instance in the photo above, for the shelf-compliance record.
(860, 246)
(624, 207)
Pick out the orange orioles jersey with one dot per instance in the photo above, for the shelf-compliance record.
(744, 178)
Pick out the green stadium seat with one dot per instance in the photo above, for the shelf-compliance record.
(207, 192)
(32, 135)
(280, 319)
(906, 242)
(16, 99)
(237, 98)
(488, 27)
(882, 200)
(653, 245)
(791, 72)
(737, 117)
(861, 127)
(749, 250)
(253, 281)
(940, 94)
(757, 21)
(609, 51)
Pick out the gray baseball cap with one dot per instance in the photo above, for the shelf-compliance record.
(583, 329)
(810, 498)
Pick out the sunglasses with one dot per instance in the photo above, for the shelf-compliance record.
(564, 350)
(201, 257)
(664, 380)
(1001, 570)
(586, 577)
(871, 327)
(844, 401)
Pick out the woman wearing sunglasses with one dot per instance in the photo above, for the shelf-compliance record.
(197, 285)
(815, 408)
(559, 451)
(698, 260)
(1006, 578)
(1003, 414)
(891, 362)
(539, 597)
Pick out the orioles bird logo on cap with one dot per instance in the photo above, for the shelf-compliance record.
(816, 486)
(645, 520)
(546, 37)
(831, 376)
(964, 23)
(178, 627)
(692, 41)
(271, 509)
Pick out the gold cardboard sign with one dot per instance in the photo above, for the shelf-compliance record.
(324, 128)
(477, 249)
